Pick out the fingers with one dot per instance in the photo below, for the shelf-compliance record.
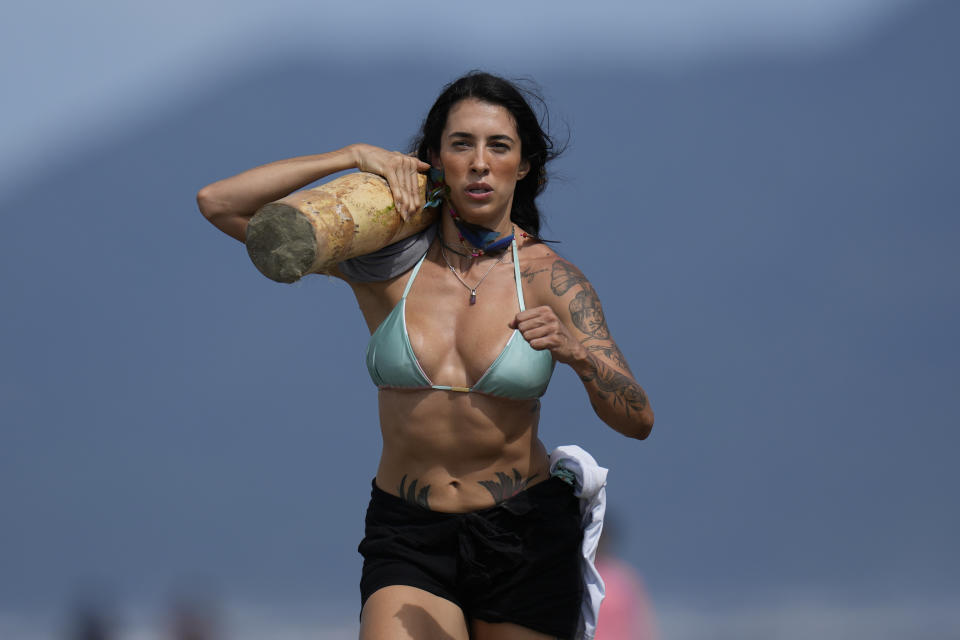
(399, 186)
(401, 173)
(414, 197)
(540, 327)
(544, 336)
(534, 317)
(404, 183)
(419, 196)
(543, 330)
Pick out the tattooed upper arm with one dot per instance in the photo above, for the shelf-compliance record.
(579, 299)
(575, 298)
(586, 312)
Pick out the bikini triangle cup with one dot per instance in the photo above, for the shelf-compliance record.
(519, 371)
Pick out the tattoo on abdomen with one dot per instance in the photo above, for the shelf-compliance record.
(624, 391)
(410, 494)
(505, 487)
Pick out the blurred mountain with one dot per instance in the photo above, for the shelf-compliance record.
(776, 251)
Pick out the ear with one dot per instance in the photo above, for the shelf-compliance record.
(523, 170)
(435, 160)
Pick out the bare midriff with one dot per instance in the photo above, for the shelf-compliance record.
(452, 441)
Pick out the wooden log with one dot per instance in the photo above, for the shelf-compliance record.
(311, 231)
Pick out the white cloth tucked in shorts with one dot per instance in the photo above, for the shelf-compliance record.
(590, 481)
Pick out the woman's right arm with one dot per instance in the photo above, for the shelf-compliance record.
(230, 203)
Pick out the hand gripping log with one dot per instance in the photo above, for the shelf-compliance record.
(311, 231)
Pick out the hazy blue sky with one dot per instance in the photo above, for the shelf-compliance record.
(71, 71)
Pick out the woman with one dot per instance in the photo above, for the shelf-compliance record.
(468, 534)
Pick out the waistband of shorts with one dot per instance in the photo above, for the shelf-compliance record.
(551, 487)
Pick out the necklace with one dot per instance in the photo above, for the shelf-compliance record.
(483, 240)
(473, 289)
(459, 253)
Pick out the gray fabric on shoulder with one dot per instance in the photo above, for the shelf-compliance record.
(390, 261)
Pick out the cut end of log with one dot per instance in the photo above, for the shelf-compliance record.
(281, 243)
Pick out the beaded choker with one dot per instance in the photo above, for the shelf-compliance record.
(481, 239)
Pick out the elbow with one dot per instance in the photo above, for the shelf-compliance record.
(208, 203)
(218, 212)
(644, 425)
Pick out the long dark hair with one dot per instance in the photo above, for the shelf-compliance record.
(536, 146)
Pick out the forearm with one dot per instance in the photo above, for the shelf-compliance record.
(615, 396)
(230, 203)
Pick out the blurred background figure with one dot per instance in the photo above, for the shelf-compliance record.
(626, 612)
(192, 619)
(90, 621)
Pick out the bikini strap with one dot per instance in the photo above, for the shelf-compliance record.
(413, 275)
(516, 274)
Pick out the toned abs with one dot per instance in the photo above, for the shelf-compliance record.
(464, 451)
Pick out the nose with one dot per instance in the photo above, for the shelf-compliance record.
(478, 162)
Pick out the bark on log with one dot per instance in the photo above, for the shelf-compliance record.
(311, 231)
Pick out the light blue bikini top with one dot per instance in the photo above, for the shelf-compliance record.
(520, 371)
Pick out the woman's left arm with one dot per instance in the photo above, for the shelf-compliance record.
(572, 326)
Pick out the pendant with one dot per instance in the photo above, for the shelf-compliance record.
(473, 296)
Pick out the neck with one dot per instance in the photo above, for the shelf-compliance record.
(474, 240)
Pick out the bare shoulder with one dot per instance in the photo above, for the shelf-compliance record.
(536, 259)
(546, 274)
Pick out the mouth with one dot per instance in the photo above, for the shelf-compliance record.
(478, 189)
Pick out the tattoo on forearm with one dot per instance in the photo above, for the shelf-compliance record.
(506, 487)
(411, 495)
(612, 352)
(616, 387)
(585, 309)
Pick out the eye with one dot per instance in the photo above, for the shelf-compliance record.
(460, 144)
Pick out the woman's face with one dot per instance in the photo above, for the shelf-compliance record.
(481, 159)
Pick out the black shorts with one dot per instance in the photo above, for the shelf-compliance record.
(517, 562)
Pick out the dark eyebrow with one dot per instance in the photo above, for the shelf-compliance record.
(464, 134)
